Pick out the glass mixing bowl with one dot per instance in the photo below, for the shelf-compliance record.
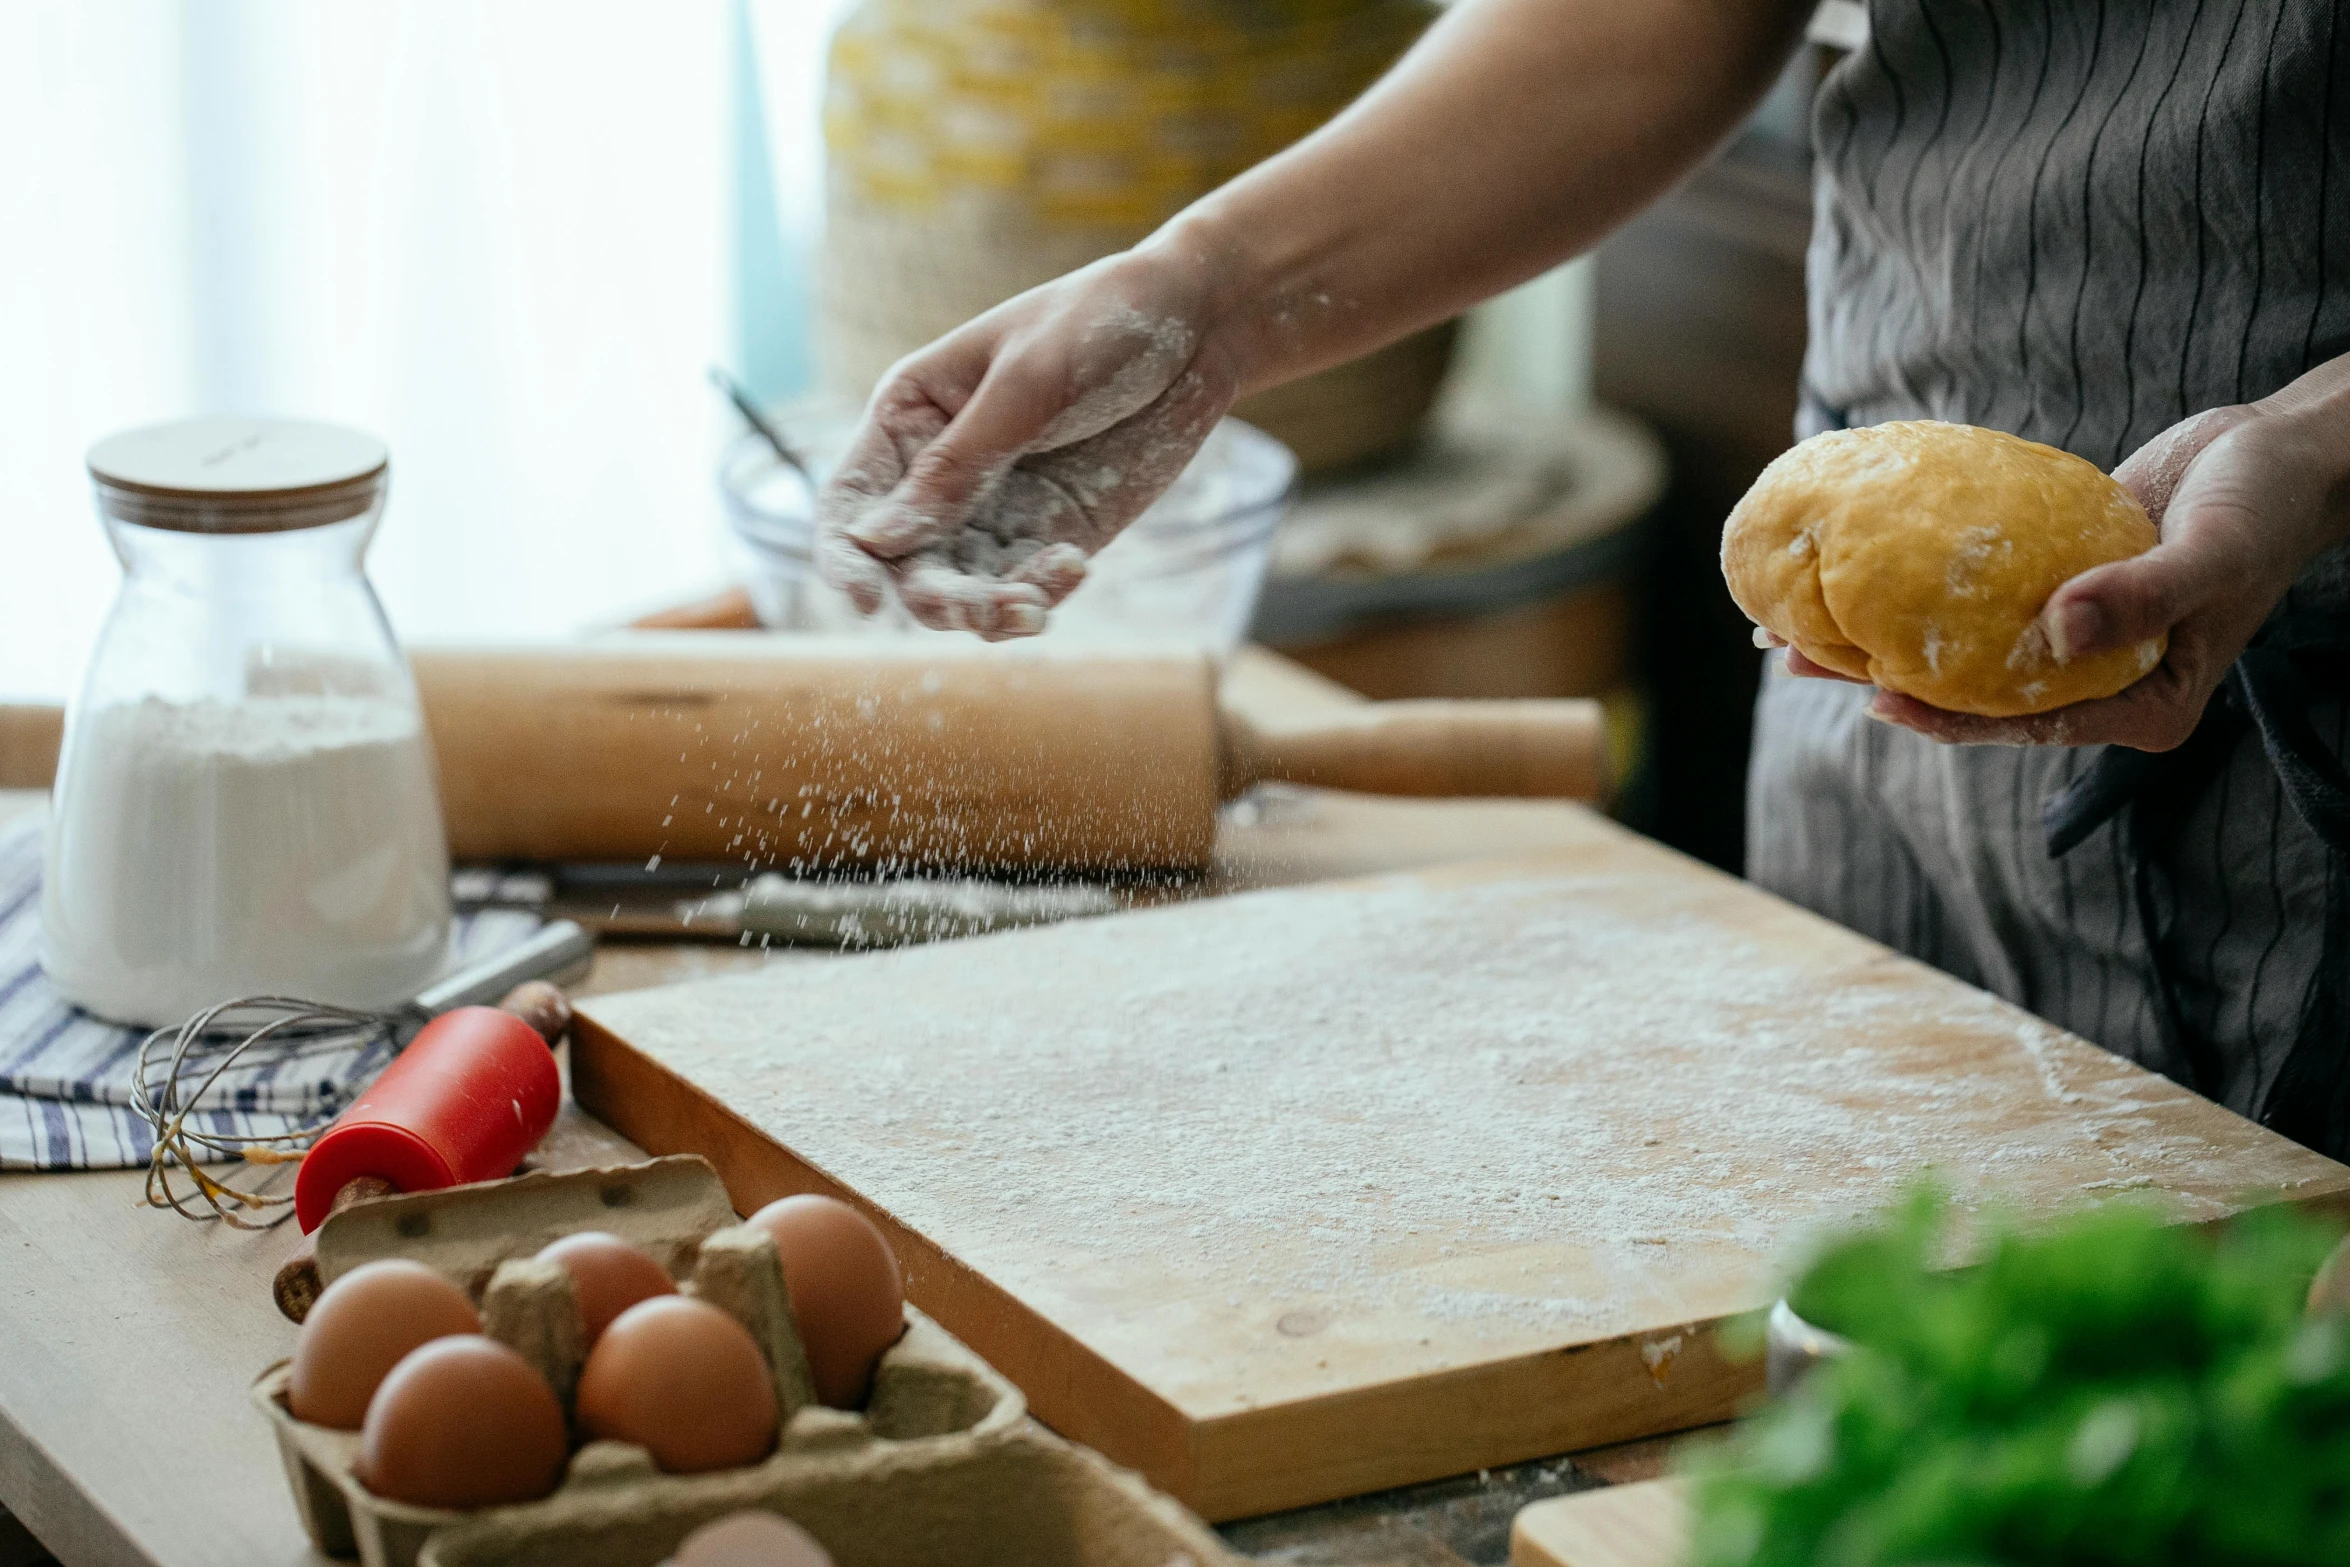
(1186, 571)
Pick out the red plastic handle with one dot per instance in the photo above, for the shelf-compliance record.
(474, 1091)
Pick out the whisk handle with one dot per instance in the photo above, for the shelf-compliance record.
(560, 951)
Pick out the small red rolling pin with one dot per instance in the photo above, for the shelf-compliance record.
(469, 1097)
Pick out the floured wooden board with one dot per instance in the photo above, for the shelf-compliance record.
(1301, 1193)
(1643, 1525)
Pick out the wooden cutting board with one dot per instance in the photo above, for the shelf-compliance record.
(1302, 1193)
(1642, 1525)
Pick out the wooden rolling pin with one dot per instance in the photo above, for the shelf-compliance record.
(805, 752)
(28, 745)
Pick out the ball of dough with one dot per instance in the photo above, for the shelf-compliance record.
(1918, 556)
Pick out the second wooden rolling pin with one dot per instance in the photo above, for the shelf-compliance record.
(806, 752)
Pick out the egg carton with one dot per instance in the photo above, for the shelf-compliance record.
(942, 1468)
(1023, 1499)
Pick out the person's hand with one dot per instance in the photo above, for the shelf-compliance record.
(992, 464)
(2241, 496)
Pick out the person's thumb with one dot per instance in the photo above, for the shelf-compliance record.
(952, 475)
(2127, 601)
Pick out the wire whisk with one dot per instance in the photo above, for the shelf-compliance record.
(180, 1066)
(204, 1047)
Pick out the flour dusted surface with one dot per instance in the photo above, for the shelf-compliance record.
(1415, 1123)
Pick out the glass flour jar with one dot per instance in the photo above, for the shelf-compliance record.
(245, 800)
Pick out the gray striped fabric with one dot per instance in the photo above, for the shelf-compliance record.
(1939, 851)
(2080, 221)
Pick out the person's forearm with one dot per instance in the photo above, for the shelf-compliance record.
(1514, 136)
(2314, 412)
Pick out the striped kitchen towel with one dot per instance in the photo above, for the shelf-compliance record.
(65, 1077)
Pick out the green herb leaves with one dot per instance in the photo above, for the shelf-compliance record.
(2110, 1391)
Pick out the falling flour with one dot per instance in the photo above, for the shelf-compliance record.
(282, 844)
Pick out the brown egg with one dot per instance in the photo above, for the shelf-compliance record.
(683, 1380)
(463, 1422)
(608, 1275)
(751, 1540)
(364, 1324)
(845, 1291)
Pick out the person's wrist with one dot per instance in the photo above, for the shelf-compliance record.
(1199, 258)
(2307, 428)
(2311, 438)
(1261, 282)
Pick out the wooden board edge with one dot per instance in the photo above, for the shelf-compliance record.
(1074, 1391)
(1263, 1460)
(1644, 1524)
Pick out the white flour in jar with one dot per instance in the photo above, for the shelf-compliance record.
(286, 844)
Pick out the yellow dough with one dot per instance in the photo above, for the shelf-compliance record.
(1918, 556)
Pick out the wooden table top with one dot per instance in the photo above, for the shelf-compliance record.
(128, 1337)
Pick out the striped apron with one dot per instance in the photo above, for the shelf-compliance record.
(2082, 221)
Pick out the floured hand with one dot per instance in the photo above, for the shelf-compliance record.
(994, 464)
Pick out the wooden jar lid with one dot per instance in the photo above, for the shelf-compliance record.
(226, 475)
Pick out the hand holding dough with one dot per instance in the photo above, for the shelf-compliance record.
(1918, 557)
